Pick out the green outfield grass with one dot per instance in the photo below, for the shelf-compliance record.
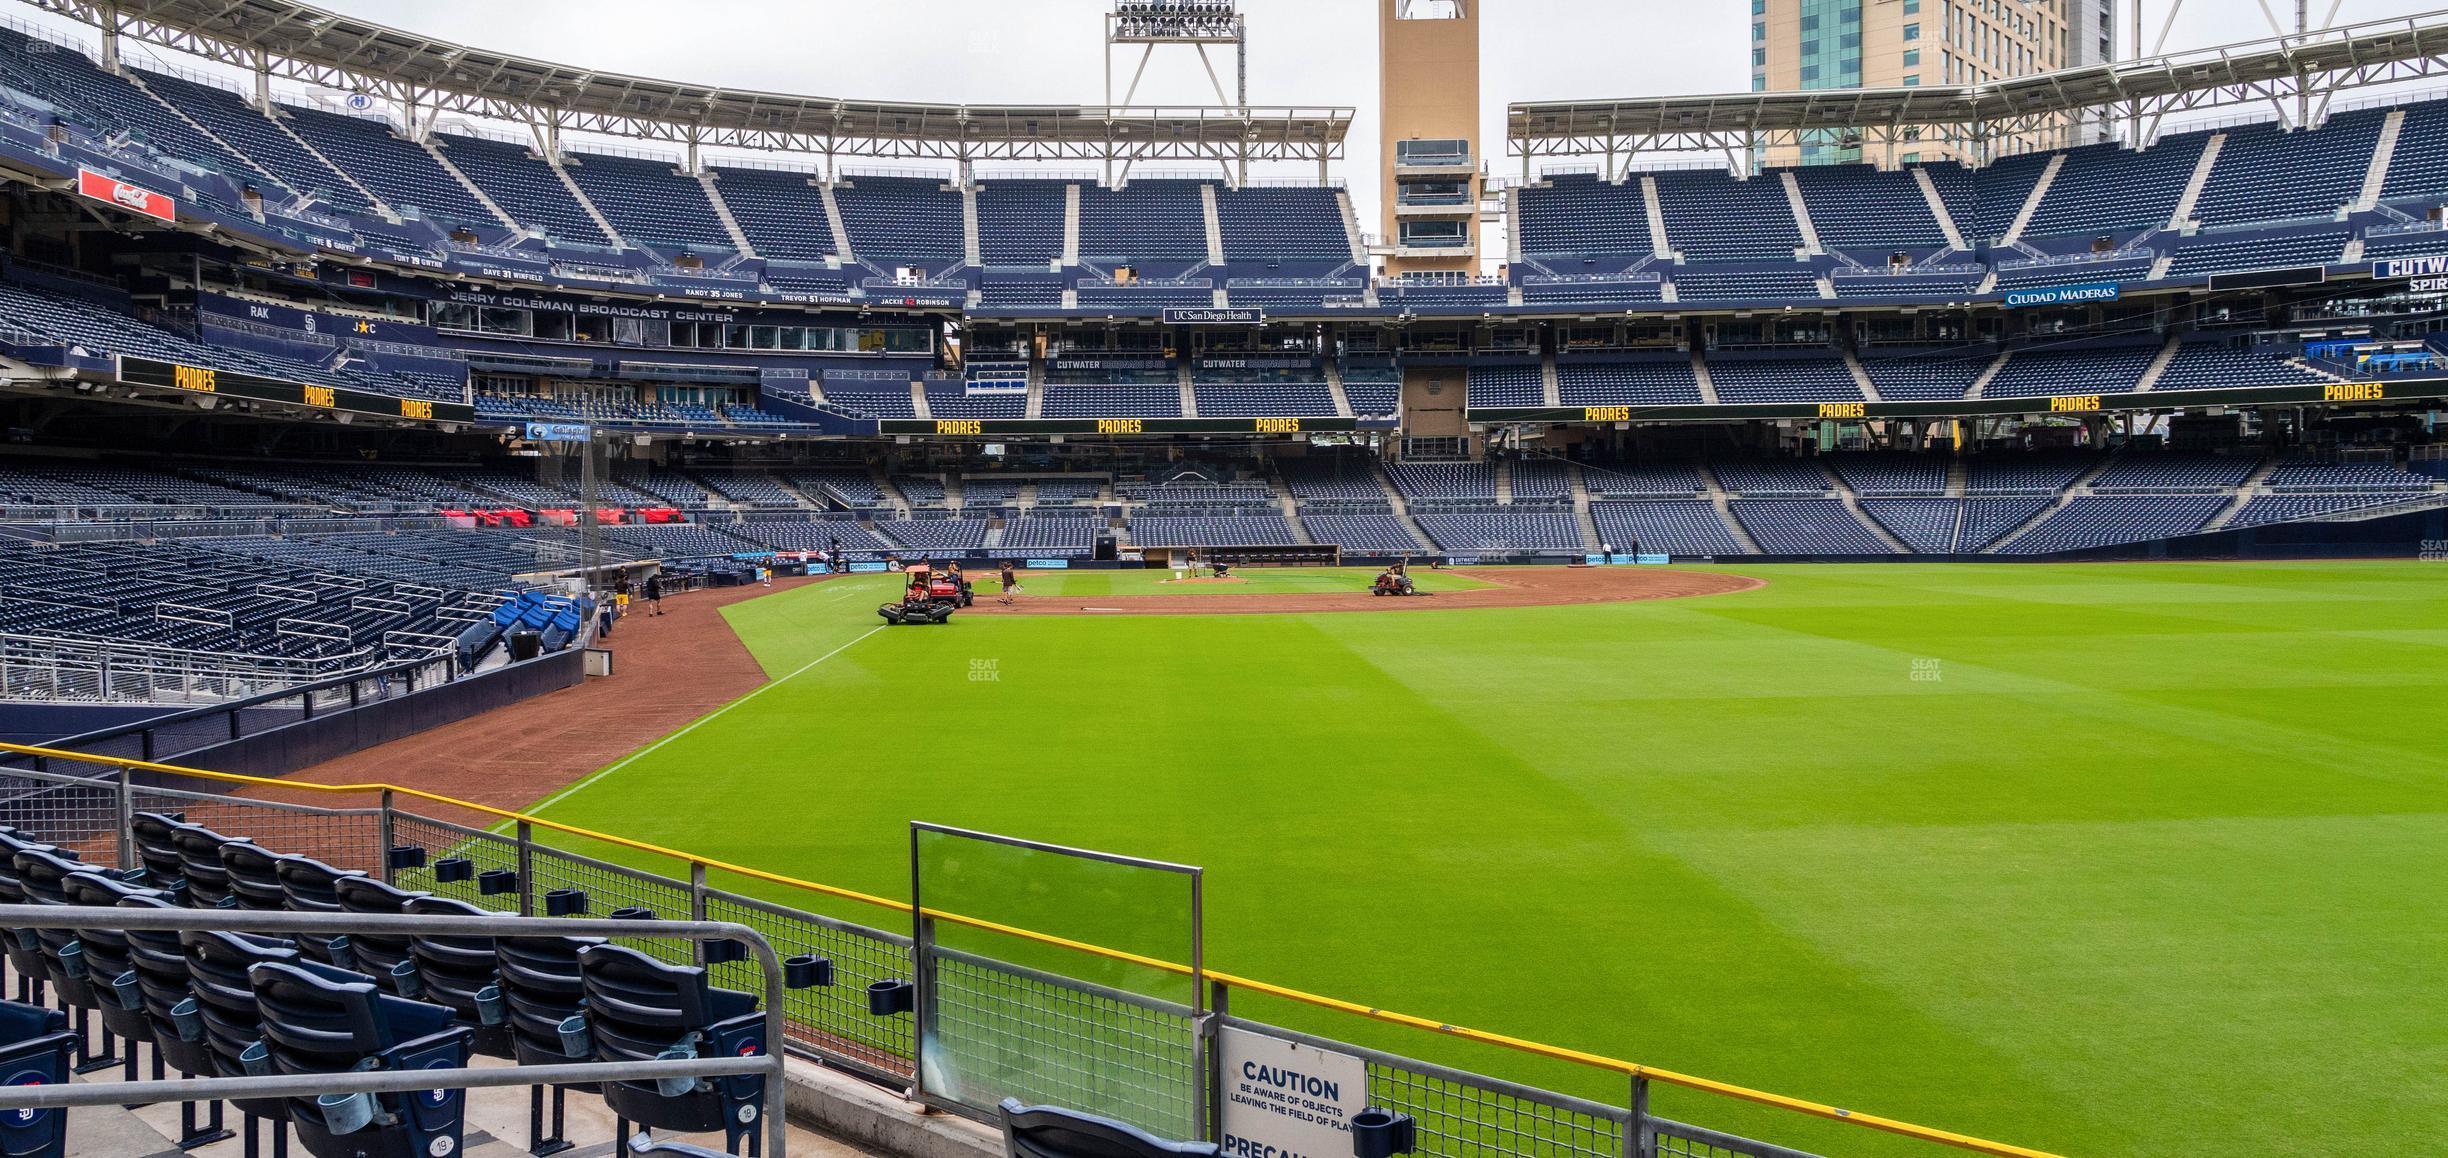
(1254, 581)
(2101, 859)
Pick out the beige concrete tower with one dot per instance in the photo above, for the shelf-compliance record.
(1428, 107)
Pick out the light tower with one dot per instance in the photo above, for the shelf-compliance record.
(1198, 24)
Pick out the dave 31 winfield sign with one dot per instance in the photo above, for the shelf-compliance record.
(133, 198)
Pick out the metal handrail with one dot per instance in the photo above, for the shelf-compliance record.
(771, 1063)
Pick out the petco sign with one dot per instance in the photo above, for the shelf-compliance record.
(133, 198)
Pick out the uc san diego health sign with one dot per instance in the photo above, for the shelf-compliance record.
(1287, 1100)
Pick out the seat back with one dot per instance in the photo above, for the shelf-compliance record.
(155, 835)
(217, 967)
(1054, 1132)
(24, 955)
(159, 961)
(454, 970)
(107, 952)
(378, 955)
(541, 987)
(34, 1050)
(254, 876)
(318, 1020)
(43, 876)
(638, 1008)
(309, 885)
(199, 850)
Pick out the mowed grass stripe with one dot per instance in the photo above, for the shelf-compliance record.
(1733, 836)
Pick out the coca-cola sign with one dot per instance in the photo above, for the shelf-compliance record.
(133, 198)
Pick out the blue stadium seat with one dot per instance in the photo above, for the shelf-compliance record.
(639, 1009)
(319, 1020)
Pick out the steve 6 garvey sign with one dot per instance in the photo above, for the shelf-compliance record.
(133, 198)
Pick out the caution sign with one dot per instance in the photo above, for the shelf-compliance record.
(1287, 1100)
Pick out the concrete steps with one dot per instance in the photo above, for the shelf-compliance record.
(584, 202)
(722, 213)
(2031, 203)
(443, 159)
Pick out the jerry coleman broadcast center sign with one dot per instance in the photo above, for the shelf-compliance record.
(1287, 1100)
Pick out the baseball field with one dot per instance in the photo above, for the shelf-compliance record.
(2099, 859)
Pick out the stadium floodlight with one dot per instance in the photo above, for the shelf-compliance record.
(1195, 23)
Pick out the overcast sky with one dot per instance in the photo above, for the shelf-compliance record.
(1302, 52)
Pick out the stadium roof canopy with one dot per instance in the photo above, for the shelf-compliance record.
(424, 76)
(2298, 69)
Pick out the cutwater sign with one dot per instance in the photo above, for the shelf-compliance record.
(2058, 295)
(1287, 1100)
(1201, 316)
(558, 432)
(2428, 274)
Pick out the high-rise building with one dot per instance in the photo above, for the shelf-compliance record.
(1812, 44)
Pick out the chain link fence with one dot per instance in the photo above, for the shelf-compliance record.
(987, 1029)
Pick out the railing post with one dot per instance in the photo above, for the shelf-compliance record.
(1640, 1138)
(383, 838)
(697, 902)
(526, 869)
(922, 1012)
(1211, 1039)
(127, 814)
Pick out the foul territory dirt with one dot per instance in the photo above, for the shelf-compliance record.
(1521, 587)
(667, 671)
(676, 668)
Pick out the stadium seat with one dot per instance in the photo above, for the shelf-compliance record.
(159, 961)
(540, 990)
(639, 1009)
(34, 1049)
(318, 1020)
(385, 957)
(218, 977)
(109, 966)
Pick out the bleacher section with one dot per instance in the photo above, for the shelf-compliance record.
(524, 185)
(1862, 207)
(1277, 223)
(1675, 527)
(1585, 241)
(1020, 222)
(1711, 216)
(2092, 521)
(1145, 220)
(1211, 531)
(1806, 527)
(893, 220)
(780, 210)
(650, 202)
(1662, 380)
(1502, 530)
